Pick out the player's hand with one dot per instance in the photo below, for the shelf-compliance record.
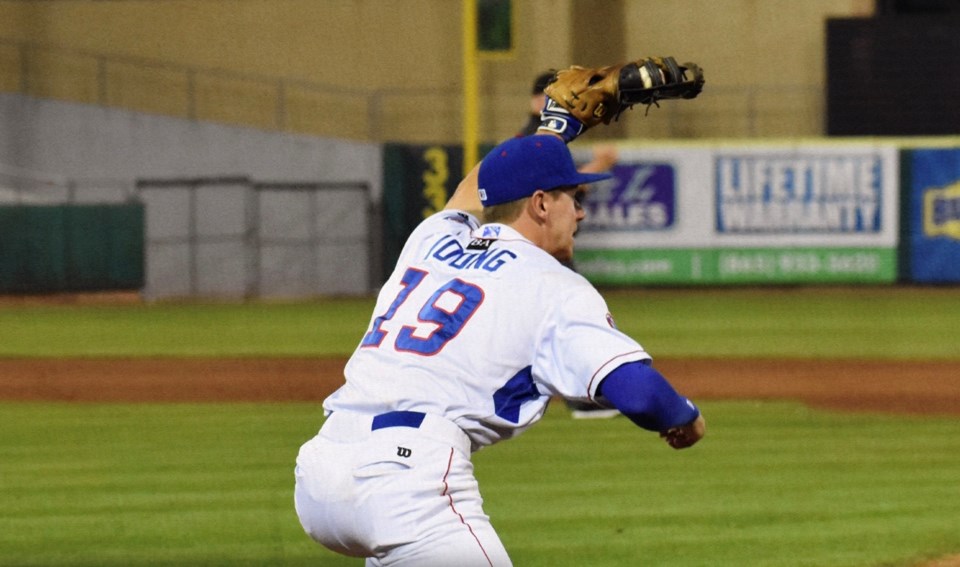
(605, 156)
(683, 436)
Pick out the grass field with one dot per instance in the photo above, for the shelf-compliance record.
(866, 322)
(201, 484)
(774, 484)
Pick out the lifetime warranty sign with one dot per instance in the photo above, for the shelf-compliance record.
(776, 194)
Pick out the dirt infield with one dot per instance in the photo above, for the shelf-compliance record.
(895, 387)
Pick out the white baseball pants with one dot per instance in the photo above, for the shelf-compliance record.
(397, 489)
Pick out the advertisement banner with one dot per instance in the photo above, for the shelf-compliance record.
(824, 194)
(807, 213)
(934, 215)
(738, 266)
(641, 197)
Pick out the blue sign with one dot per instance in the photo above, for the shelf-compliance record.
(805, 194)
(639, 197)
(934, 211)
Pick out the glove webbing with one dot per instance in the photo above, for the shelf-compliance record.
(632, 89)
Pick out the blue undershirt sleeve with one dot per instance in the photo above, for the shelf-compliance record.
(646, 398)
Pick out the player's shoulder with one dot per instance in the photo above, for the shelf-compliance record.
(575, 298)
(557, 278)
(579, 284)
(448, 221)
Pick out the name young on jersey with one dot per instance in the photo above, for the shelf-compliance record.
(478, 255)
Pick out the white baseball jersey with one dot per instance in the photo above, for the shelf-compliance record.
(482, 327)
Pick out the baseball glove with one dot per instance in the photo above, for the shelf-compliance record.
(599, 95)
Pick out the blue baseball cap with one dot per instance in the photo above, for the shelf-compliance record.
(520, 166)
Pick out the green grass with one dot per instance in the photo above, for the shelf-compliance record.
(100, 485)
(855, 322)
(330, 327)
(800, 322)
(774, 484)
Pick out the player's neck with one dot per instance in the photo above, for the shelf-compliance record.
(534, 231)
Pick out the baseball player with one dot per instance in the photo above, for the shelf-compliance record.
(604, 157)
(478, 327)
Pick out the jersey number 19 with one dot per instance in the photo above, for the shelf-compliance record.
(448, 317)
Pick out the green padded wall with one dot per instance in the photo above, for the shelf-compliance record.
(68, 248)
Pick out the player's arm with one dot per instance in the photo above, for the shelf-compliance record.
(604, 157)
(646, 398)
(465, 197)
(579, 98)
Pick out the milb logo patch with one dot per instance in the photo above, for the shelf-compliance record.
(941, 212)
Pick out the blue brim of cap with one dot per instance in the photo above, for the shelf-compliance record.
(585, 178)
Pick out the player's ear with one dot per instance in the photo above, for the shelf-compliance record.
(537, 206)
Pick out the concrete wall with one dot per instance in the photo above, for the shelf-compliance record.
(88, 142)
(207, 238)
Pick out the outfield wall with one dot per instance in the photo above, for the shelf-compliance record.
(862, 211)
(931, 215)
(853, 211)
(745, 214)
(292, 224)
(841, 211)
